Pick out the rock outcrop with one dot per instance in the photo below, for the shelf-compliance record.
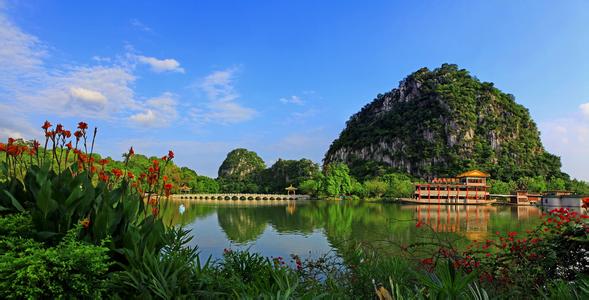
(441, 122)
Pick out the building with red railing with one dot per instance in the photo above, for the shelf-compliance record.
(467, 188)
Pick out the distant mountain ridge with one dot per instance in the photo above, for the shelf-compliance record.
(442, 122)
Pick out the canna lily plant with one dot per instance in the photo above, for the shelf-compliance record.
(63, 184)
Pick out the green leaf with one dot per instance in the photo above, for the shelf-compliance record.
(14, 202)
(44, 201)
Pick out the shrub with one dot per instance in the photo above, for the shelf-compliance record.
(73, 269)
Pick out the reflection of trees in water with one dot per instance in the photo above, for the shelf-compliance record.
(241, 224)
(350, 224)
(346, 224)
(171, 213)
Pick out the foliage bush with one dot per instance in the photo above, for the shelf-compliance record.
(71, 269)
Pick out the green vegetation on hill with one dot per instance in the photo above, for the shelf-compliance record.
(440, 123)
(286, 172)
(241, 164)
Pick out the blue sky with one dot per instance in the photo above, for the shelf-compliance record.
(277, 77)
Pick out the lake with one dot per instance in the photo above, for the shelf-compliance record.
(313, 228)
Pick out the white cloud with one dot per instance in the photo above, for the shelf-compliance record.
(161, 65)
(219, 85)
(146, 118)
(221, 106)
(95, 92)
(139, 25)
(101, 59)
(585, 109)
(21, 57)
(292, 100)
(14, 125)
(569, 138)
(230, 112)
(88, 96)
(157, 112)
(29, 86)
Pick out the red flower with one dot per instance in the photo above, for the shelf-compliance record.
(13, 150)
(82, 126)
(168, 188)
(117, 172)
(103, 162)
(69, 145)
(512, 234)
(418, 224)
(130, 175)
(165, 178)
(58, 128)
(2, 147)
(46, 125)
(103, 177)
(36, 144)
(164, 158)
(170, 154)
(155, 211)
(67, 133)
(131, 151)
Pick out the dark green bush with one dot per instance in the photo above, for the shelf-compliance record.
(73, 269)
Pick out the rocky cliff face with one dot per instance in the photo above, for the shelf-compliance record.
(240, 164)
(441, 122)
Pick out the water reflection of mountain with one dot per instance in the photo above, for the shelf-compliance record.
(343, 224)
(347, 224)
(242, 224)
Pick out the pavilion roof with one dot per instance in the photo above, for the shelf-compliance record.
(473, 173)
(291, 188)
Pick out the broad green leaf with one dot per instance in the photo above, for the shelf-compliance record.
(14, 202)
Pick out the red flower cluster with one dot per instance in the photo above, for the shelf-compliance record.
(168, 189)
(65, 155)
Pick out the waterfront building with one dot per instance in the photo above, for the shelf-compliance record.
(557, 199)
(467, 188)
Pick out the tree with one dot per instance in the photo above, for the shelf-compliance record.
(375, 187)
(286, 172)
(311, 187)
(556, 184)
(578, 187)
(337, 180)
(204, 184)
(501, 187)
(399, 185)
(532, 184)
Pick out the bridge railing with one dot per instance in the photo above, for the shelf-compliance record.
(238, 196)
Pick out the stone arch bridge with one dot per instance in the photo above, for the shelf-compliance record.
(238, 196)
